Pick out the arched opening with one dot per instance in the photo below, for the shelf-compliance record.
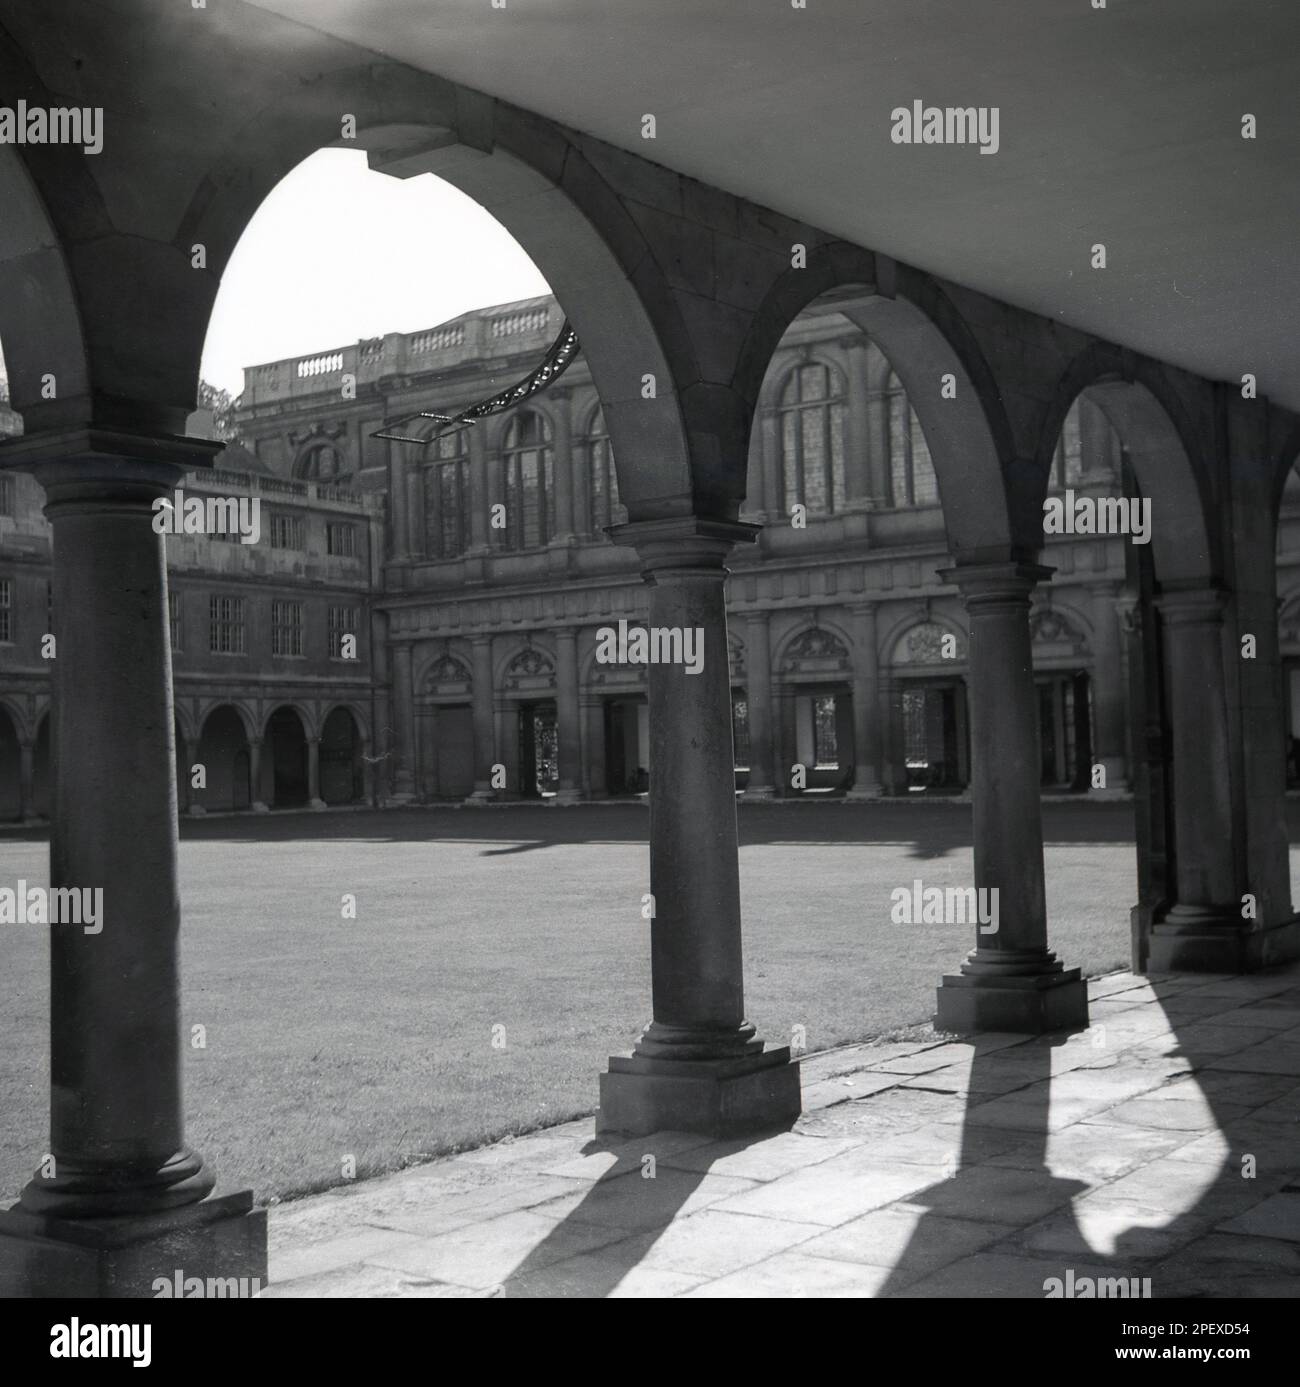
(223, 754)
(341, 780)
(284, 762)
(1124, 524)
(11, 790)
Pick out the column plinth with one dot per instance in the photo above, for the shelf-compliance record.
(699, 1066)
(1010, 981)
(121, 1197)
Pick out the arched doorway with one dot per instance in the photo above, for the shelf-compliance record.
(285, 759)
(341, 780)
(222, 752)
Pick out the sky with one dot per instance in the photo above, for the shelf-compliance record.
(337, 253)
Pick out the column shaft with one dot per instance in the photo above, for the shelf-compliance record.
(758, 669)
(568, 726)
(866, 705)
(484, 719)
(403, 723)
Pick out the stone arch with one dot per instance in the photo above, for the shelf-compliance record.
(924, 338)
(1159, 440)
(221, 747)
(538, 183)
(285, 734)
(240, 710)
(40, 319)
(341, 779)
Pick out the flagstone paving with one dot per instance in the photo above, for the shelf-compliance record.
(1161, 1143)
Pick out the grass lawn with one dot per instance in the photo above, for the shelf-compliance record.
(373, 1037)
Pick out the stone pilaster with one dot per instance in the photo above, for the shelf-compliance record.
(26, 781)
(758, 672)
(562, 465)
(699, 1065)
(255, 801)
(123, 1198)
(858, 470)
(1010, 982)
(568, 725)
(866, 703)
(484, 721)
(478, 492)
(314, 800)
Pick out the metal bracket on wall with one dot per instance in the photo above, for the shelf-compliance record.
(559, 357)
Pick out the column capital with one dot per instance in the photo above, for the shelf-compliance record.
(683, 542)
(86, 463)
(566, 633)
(1006, 580)
(1192, 606)
(860, 607)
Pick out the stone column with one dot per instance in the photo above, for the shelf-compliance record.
(117, 1138)
(496, 494)
(484, 720)
(1203, 929)
(26, 781)
(403, 724)
(562, 466)
(255, 801)
(580, 480)
(314, 800)
(1109, 693)
(698, 1066)
(568, 726)
(866, 704)
(1010, 982)
(758, 668)
(478, 492)
(858, 471)
(879, 458)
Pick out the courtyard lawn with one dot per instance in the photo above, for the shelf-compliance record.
(499, 956)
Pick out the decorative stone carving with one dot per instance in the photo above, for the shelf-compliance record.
(447, 670)
(816, 651)
(923, 645)
(530, 669)
(1047, 626)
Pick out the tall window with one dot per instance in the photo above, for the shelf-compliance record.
(825, 744)
(174, 617)
(446, 496)
(324, 463)
(812, 439)
(8, 491)
(1067, 461)
(529, 478)
(910, 469)
(287, 531)
(226, 625)
(344, 621)
(6, 610)
(340, 539)
(286, 628)
(605, 506)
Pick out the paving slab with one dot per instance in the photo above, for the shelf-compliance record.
(1163, 1142)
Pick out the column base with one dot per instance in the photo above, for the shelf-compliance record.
(196, 811)
(478, 799)
(1031, 1005)
(401, 797)
(259, 808)
(719, 1098)
(1212, 939)
(567, 797)
(758, 792)
(316, 805)
(222, 1237)
(866, 789)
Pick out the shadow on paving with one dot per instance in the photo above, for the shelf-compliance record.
(1032, 1229)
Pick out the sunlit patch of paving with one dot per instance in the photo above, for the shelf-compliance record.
(1159, 1144)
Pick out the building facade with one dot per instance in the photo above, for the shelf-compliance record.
(476, 575)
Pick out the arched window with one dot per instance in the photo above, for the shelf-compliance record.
(1067, 461)
(605, 506)
(529, 481)
(911, 472)
(324, 463)
(446, 496)
(812, 439)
